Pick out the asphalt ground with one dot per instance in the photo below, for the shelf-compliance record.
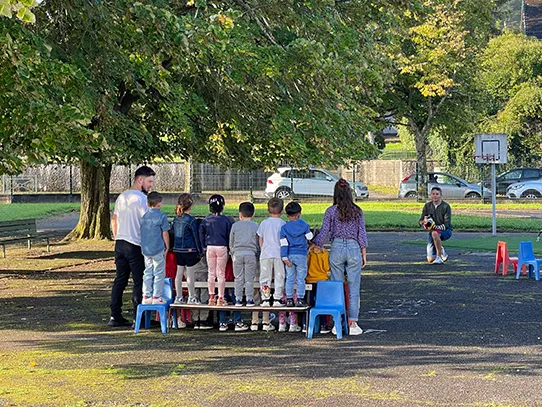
(435, 335)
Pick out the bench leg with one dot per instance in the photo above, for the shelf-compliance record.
(48, 246)
(29, 244)
(4, 250)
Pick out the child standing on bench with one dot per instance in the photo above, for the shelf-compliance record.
(294, 237)
(214, 234)
(271, 265)
(154, 246)
(187, 248)
(244, 248)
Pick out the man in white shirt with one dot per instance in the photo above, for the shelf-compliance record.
(130, 207)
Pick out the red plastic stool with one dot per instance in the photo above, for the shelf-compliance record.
(503, 258)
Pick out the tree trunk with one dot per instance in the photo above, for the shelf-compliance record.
(421, 161)
(95, 216)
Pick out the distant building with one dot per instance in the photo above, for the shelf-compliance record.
(531, 18)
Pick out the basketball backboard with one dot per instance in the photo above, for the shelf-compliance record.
(491, 148)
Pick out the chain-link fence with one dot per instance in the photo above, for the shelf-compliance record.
(202, 178)
(205, 179)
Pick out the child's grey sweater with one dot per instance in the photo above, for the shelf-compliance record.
(244, 239)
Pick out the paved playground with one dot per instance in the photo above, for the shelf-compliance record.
(436, 335)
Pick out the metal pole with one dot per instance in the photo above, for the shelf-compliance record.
(251, 181)
(493, 200)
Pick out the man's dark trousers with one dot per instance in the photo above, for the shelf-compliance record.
(128, 259)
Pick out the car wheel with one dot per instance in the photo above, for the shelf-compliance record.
(472, 195)
(411, 194)
(531, 194)
(283, 193)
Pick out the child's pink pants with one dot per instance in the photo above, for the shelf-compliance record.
(217, 259)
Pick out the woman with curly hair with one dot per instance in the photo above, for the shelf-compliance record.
(344, 223)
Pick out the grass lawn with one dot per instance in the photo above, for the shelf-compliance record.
(35, 210)
(379, 216)
(488, 243)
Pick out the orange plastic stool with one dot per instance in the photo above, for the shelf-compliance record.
(503, 258)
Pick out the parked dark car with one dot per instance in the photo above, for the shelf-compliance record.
(508, 178)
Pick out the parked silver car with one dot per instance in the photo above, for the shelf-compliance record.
(311, 182)
(526, 189)
(452, 187)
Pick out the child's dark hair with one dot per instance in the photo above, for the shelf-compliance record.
(216, 203)
(246, 209)
(275, 206)
(184, 203)
(154, 198)
(293, 208)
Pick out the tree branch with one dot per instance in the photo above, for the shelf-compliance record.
(261, 24)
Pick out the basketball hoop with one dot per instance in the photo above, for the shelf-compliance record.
(491, 149)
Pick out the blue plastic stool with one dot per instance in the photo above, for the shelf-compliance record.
(329, 301)
(163, 309)
(526, 257)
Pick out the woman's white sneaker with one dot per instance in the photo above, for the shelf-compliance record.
(354, 329)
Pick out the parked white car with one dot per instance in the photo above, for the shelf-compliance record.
(311, 182)
(527, 190)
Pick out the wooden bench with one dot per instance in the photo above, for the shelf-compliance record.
(231, 284)
(255, 308)
(19, 230)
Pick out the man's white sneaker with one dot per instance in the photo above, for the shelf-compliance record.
(354, 329)
(444, 255)
(438, 260)
(282, 328)
(180, 323)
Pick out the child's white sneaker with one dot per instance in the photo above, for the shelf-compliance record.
(282, 327)
(294, 328)
(158, 301)
(254, 327)
(179, 300)
(146, 300)
(180, 323)
(193, 301)
(267, 327)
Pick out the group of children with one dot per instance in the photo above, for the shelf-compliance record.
(281, 249)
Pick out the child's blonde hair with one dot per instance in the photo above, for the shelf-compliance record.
(184, 203)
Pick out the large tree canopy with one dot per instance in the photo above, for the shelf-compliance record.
(237, 82)
(243, 83)
(436, 65)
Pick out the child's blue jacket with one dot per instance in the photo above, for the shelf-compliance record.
(294, 237)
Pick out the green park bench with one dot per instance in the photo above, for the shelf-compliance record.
(13, 231)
